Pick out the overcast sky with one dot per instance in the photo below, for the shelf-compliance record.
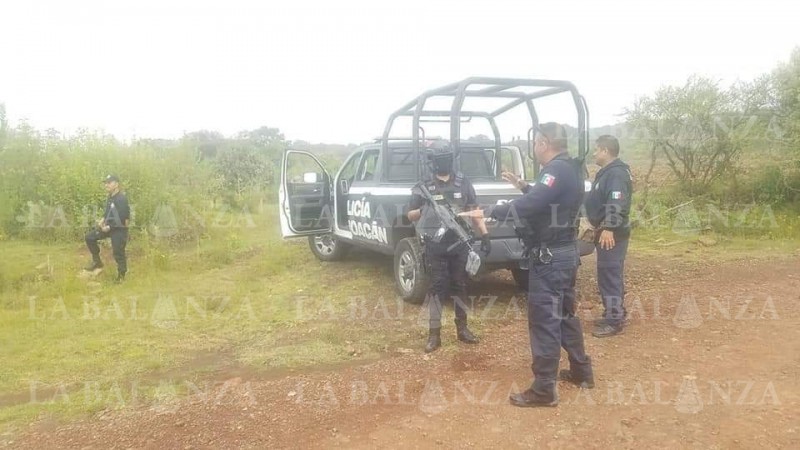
(332, 71)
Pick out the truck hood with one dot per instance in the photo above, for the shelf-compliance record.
(493, 193)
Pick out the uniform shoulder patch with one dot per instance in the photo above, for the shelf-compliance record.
(457, 195)
(616, 195)
(548, 180)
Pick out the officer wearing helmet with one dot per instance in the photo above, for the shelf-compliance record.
(447, 262)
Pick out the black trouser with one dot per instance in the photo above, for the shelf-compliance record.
(552, 322)
(448, 278)
(611, 282)
(119, 237)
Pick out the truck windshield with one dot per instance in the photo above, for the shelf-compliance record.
(477, 163)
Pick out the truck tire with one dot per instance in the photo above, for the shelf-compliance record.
(521, 278)
(327, 247)
(410, 277)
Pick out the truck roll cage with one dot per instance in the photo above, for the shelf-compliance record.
(517, 91)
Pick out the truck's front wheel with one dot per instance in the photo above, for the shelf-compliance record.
(409, 273)
(326, 247)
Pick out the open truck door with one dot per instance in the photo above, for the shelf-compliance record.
(304, 195)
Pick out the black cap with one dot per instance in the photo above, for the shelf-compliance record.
(110, 178)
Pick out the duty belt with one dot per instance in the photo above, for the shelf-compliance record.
(539, 255)
(543, 253)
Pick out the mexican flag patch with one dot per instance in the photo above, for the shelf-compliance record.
(616, 195)
(548, 180)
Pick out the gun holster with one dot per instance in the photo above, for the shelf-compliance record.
(537, 253)
(526, 238)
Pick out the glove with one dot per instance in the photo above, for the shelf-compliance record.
(486, 244)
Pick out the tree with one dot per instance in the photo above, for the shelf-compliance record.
(263, 137)
(243, 167)
(480, 138)
(3, 125)
(269, 143)
(699, 128)
(784, 130)
(206, 142)
(786, 91)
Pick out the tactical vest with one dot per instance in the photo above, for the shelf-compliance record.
(449, 194)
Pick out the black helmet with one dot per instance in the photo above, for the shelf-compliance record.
(441, 157)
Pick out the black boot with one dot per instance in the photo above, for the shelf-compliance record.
(463, 333)
(543, 391)
(607, 330)
(96, 264)
(533, 399)
(602, 321)
(586, 382)
(434, 340)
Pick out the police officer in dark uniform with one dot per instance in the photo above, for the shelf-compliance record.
(546, 217)
(114, 225)
(446, 258)
(608, 207)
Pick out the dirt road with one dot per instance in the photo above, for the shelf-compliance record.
(711, 359)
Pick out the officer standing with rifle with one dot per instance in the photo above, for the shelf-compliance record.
(447, 252)
(546, 218)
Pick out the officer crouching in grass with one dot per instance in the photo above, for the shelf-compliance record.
(608, 207)
(446, 257)
(114, 224)
(548, 213)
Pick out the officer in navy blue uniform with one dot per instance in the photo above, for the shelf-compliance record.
(114, 225)
(546, 217)
(608, 208)
(446, 258)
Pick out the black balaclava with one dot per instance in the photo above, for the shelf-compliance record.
(442, 161)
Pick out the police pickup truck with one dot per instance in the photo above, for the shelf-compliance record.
(364, 203)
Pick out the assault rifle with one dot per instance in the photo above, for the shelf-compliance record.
(450, 221)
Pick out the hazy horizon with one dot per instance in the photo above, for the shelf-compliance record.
(333, 72)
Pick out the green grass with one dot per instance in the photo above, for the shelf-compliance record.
(236, 299)
(234, 293)
(699, 227)
(709, 245)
